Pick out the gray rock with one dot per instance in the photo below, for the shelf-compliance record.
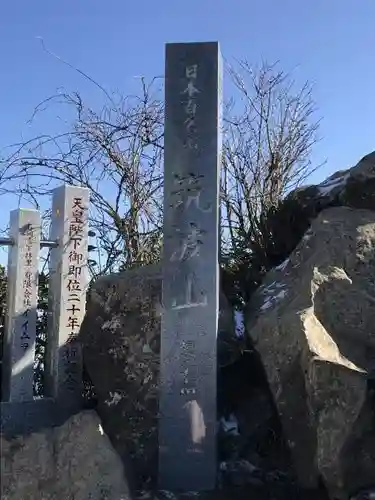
(312, 323)
(74, 461)
(353, 187)
(121, 345)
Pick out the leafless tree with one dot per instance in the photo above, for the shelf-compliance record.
(270, 131)
(116, 153)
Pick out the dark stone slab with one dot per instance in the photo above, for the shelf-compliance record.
(191, 465)
(187, 432)
(120, 336)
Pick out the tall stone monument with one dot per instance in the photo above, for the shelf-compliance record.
(187, 428)
(21, 314)
(67, 293)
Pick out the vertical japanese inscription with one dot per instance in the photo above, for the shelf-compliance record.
(76, 262)
(22, 303)
(68, 288)
(29, 285)
(187, 458)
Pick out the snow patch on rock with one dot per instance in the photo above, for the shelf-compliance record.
(282, 266)
(230, 425)
(307, 236)
(273, 294)
(239, 324)
(326, 187)
(115, 399)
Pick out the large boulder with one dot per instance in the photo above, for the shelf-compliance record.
(312, 322)
(121, 347)
(74, 461)
(353, 187)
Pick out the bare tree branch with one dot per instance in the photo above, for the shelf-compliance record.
(270, 129)
(117, 153)
(267, 149)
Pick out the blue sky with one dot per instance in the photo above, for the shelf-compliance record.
(329, 42)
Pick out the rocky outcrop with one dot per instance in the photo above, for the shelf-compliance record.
(353, 187)
(74, 461)
(312, 322)
(121, 346)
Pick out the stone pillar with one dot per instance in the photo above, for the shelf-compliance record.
(187, 429)
(20, 322)
(67, 294)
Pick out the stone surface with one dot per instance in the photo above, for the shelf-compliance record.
(312, 324)
(188, 358)
(25, 417)
(353, 187)
(121, 348)
(251, 490)
(68, 284)
(20, 324)
(74, 461)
